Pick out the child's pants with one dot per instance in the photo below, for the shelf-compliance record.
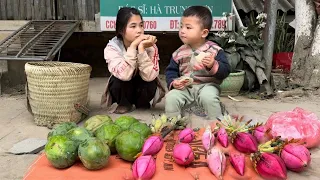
(204, 95)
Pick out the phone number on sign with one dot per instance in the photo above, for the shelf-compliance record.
(150, 24)
(111, 24)
(219, 24)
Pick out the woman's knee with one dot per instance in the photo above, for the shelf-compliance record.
(138, 81)
(151, 86)
(117, 84)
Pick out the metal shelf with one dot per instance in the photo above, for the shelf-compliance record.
(37, 40)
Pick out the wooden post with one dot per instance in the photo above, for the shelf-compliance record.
(271, 7)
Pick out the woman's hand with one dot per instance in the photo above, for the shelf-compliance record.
(137, 41)
(147, 43)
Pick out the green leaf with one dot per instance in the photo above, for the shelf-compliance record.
(233, 59)
(252, 62)
(248, 51)
(240, 65)
(241, 40)
(231, 49)
(251, 33)
(260, 43)
(283, 37)
(242, 55)
(225, 43)
(212, 37)
(250, 80)
(253, 44)
(261, 76)
(258, 54)
(261, 64)
(216, 39)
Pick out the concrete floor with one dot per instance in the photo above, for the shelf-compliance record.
(17, 124)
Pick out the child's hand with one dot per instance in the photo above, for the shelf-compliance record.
(208, 61)
(198, 67)
(178, 85)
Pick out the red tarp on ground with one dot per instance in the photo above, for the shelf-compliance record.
(166, 168)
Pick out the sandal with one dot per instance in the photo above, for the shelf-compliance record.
(199, 111)
(123, 109)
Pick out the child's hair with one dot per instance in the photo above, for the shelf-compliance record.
(123, 16)
(201, 12)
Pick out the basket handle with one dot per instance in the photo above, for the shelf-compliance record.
(82, 108)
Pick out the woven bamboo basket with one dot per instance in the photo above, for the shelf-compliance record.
(54, 89)
(232, 84)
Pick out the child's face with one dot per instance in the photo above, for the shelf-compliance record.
(191, 31)
(134, 29)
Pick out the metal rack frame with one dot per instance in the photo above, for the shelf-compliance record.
(37, 40)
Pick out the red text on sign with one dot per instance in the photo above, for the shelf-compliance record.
(219, 24)
(174, 24)
(110, 24)
(150, 24)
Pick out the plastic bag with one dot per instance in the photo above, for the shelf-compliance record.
(297, 124)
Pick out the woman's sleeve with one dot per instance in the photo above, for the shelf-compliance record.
(119, 65)
(148, 64)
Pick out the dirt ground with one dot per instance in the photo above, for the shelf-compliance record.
(17, 124)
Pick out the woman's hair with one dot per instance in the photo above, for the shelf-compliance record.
(123, 16)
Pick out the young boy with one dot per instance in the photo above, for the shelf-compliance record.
(197, 68)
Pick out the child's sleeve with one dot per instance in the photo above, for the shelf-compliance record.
(221, 67)
(172, 72)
